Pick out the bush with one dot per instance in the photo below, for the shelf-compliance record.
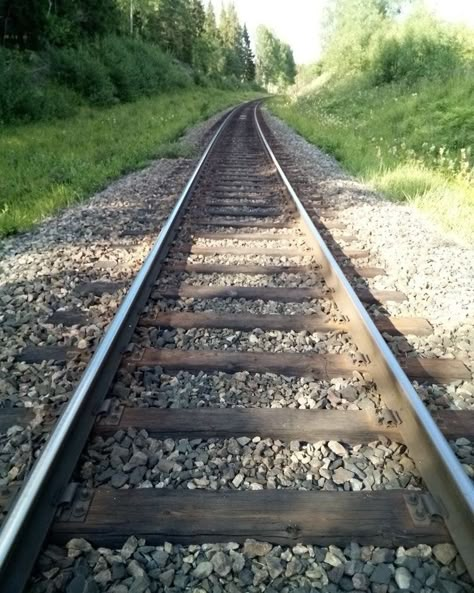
(54, 83)
(420, 47)
(15, 86)
(26, 94)
(365, 40)
(138, 68)
(121, 67)
(81, 71)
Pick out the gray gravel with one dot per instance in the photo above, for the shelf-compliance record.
(309, 280)
(105, 238)
(258, 260)
(464, 449)
(81, 245)
(321, 307)
(134, 459)
(235, 232)
(245, 341)
(297, 241)
(154, 388)
(251, 567)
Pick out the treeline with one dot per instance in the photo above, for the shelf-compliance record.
(372, 41)
(59, 53)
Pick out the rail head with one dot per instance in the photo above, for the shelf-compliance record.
(437, 463)
(28, 521)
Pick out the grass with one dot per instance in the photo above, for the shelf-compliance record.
(411, 143)
(46, 166)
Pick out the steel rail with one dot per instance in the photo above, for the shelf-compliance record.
(33, 511)
(438, 465)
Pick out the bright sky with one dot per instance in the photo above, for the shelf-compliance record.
(298, 22)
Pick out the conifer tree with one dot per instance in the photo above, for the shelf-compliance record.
(249, 60)
(231, 38)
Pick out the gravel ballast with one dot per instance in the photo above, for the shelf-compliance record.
(134, 459)
(151, 387)
(244, 341)
(253, 567)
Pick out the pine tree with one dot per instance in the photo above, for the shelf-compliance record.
(249, 60)
(231, 39)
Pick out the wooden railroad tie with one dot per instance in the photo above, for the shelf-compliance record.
(264, 293)
(203, 268)
(283, 517)
(249, 322)
(285, 424)
(319, 366)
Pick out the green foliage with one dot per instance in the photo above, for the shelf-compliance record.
(137, 68)
(275, 63)
(231, 39)
(248, 57)
(348, 30)
(122, 66)
(46, 166)
(411, 142)
(420, 47)
(53, 83)
(362, 38)
(182, 29)
(26, 94)
(392, 99)
(83, 72)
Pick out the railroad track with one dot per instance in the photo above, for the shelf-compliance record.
(241, 264)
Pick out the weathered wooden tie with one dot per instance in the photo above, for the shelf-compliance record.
(286, 424)
(201, 268)
(247, 321)
(320, 366)
(378, 518)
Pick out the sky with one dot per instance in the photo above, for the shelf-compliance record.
(298, 22)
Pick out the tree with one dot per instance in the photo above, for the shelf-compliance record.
(230, 33)
(275, 61)
(182, 28)
(288, 66)
(348, 28)
(22, 22)
(249, 60)
(207, 54)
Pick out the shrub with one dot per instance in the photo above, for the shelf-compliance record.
(420, 47)
(149, 69)
(121, 65)
(15, 86)
(26, 94)
(54, 83)
(81, 71)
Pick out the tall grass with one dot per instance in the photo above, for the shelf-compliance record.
(403, 119)
(411, 143)
(48, 165)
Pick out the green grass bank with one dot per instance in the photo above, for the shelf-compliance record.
(45, 166)
(411, 142)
